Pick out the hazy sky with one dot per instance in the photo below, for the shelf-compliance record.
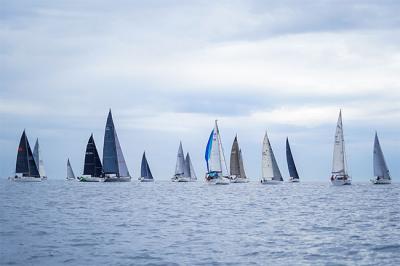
(169, 68)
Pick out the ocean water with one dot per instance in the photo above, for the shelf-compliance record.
(164, 223)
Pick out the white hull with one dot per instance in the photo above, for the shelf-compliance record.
(26, 179)
(271, 182)
(117, 179)
(375, 181)
(90, 179)
(239, 180)
(218, 181)
(341, 182)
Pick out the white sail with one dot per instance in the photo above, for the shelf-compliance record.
(70, 172)
(380, 167)
(38, 159)
(242, 172)
(270, 169)
(339, 156)
(191, 168)
(215, 161)
(180, 161)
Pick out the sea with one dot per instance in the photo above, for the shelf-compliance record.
(60, 222)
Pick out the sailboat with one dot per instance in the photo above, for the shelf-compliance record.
(145, 173)
(217, 172)
(339, 169)
(70, 172)
(270, 170)
(381, 171)
(114, 166)
(179, 175)
(38, 160)
(189, 169)
(26, 169)
(294, 176)
(237, 174)
(92, 170)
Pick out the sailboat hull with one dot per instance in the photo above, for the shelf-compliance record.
(271, 182)
(377, 181)
(117, 179)
(340, 181)
(293, 180)
(220, 180)
(90, 179)
(142, 179)
(70, 179)
(26, 179)
(238, 180)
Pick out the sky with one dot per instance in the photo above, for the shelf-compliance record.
(168, 69)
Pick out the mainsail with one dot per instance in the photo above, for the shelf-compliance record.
(270, 169)
(215, 157)
(180, 162)
(70, 172)
(92, 165)
(38, 159)
(190, 168)
(242, 173)
(113, 158)
(291, 165)
(380, 167)
(234, 162)
(339, 156)
(25, 164)
(145, 169)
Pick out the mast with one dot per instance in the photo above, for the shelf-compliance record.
(235, 159)
(25, 163)
(291, 165)
(380, 167)
(180, 161)
(270, 169)
(113, 158)
(339, 161)
(92, 165)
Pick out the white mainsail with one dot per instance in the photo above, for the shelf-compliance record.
(339, 155)
(70, 172)
(217, 161)
(270, 169)
(242, 173)
(380, 167)
(191, 168)
(38, 159)
(180, 162)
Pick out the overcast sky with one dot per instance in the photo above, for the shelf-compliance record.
(168, 69)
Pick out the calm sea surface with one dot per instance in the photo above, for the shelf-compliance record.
(164, 223)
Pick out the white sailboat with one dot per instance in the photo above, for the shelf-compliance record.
(179, 175)
(237, 174)
(38, 160)
(381, 171)
(26, 169)
(340, 174)
(70, 172)
(270, 170)
(217, 172)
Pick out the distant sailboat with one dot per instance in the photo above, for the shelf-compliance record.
(294, 176)
(114, 166)
(70, 172)
(189, 169)
(339, 169)
(381, 171)
(145, 173)
(237, 174)
(217, 172)
(179, 175)
(92, 170)
(270, 170)
(38, 160)
(26, 169)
